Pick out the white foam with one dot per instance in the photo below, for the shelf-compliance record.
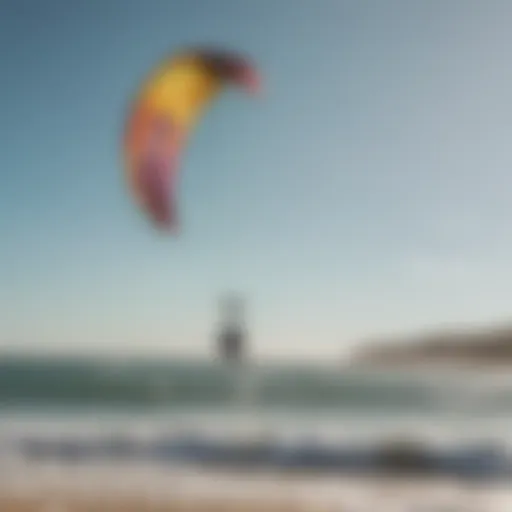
(229, 425)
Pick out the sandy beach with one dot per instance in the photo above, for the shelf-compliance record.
(64, 502)
(59, 489)
(67, 503)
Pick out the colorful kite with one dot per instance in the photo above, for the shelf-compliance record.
(163, 115)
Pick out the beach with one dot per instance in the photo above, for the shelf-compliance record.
(119, 487)
(62, 504)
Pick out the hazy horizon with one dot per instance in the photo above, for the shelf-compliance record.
(365, 193)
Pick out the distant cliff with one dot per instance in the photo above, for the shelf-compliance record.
(483, 345)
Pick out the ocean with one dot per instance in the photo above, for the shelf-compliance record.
(321, 401)
(100, 428)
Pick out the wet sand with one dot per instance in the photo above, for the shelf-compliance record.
(147, 489)
(55, 502)
(70, 504)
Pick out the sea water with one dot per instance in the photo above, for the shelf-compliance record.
(146, 398)
(87, 401)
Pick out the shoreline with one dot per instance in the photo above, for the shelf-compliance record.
(117, 488)
(69, 504)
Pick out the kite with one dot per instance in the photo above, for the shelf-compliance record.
(162, 116)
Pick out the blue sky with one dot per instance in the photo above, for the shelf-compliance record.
(369, 191)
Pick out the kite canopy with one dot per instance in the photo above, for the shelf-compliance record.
(164, 112)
